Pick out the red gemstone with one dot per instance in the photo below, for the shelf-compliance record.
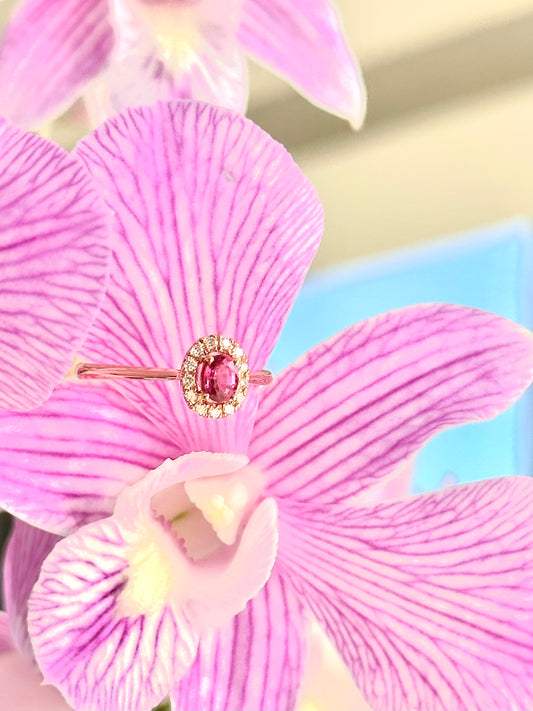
(218, 377)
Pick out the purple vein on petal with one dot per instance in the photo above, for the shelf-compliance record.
(255, 662)
(77, 452)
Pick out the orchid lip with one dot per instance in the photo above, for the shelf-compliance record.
(207, 514)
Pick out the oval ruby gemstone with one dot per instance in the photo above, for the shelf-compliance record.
(218, 377)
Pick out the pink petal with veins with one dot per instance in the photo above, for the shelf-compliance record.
(254, 662)
(26, 549)
(53, 264)
(428, 599)
(49, 52)
(353, 409)
(20, 680)
(63, 464)
(215, 229)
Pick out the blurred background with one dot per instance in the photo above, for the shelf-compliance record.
(448, 141)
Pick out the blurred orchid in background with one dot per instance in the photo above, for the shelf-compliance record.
(20, 679)
(143, 50)
(53, 264)
(172, 522)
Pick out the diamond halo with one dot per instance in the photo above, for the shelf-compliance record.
(203, 354)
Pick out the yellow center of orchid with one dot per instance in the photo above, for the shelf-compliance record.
(178, 49)
(201, 516)
(150, 576)
(176, 29)
(223, 502)
(218, 513)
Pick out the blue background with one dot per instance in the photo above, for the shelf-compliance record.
(491, 269)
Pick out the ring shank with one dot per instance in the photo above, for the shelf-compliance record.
(102, 371)
(99, 371)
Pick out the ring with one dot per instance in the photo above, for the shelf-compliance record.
(214, 375)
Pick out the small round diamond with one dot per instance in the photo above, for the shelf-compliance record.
(197, 350)
(188, 381)
(190, 365)
(210, 343)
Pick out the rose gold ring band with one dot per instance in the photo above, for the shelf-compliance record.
(98, 371)
(214, 375)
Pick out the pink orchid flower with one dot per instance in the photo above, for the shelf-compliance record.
(20, 679)
(194, 548)
(144, 50)
(53, 264)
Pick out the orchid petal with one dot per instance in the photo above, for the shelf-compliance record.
(63, 464)
(428, 599)
(26, 550)
(6, 641)
(223, 588)
(255, 662)
(217, 588)
(125, 583)
(356, 407)
(75, 619)
(303, 41)
(177, 51)
(22, 690)
(53, 264)
(189, 467)
(20, 679)
(397, 486)
(50, 50)
(216, 227)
